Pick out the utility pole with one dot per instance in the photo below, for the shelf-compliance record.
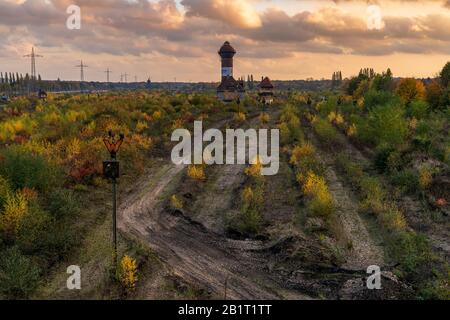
(126, 77)
(108, 72)
(81, 66)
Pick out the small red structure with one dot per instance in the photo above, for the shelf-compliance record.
(266, 89)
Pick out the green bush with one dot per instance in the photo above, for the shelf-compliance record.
(375, 98)
(290, 127)
(326, 132)
(34, 228)
(354, 82)
(250, 222)
(406, 180)
(5, 190)
(26, 170)
(353, 171)
(383, 81)
(19, 276)
(60, 238)
(410, 250)
(439, 288)
(418, 109)
(382, 156)
(444, 102)
(372, 195)
(63, 203)
(384, 125)
(295, 129)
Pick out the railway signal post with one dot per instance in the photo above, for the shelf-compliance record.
(111, 171)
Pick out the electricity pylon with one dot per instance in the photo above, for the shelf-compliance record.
(33, 57)
(81, 66)
(108, 72)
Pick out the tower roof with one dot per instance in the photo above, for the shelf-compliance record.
(266, 83)
(227, 48)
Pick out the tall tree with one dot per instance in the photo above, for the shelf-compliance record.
(434, 93)
(445, 75)
(410, 89)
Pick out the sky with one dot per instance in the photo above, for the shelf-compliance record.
(179, 39)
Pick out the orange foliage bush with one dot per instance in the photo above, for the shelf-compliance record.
(411, 89)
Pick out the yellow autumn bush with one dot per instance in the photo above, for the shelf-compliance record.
(15, 208)
(73, 148)
(331, 116)
(196, 172)
(141, 126)
(128, 272)
(75, 116)
(264, 118)
(157, 115)
(254, 169)
(392, 218)
(320, 201)
(425, 178)
(351, 130)
(336, 118)
(176, 203)
(339, 119)
(52, 118)
(413, 123)
(239, 117)
(304, 150)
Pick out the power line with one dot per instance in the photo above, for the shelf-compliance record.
(82, 66)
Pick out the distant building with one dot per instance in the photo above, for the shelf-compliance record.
(42, 94)
(229, 89)
(266, 90)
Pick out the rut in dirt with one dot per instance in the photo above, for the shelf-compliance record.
(364, 250)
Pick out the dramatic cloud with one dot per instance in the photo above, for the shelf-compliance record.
(239, 13)
(185, 31)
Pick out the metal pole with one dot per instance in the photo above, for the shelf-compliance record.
(114, 222)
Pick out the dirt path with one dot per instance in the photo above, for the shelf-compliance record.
(197, 252)
(364, 251)
(194, 253)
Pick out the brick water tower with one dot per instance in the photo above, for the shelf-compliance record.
(229, 89)
(227, 53)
